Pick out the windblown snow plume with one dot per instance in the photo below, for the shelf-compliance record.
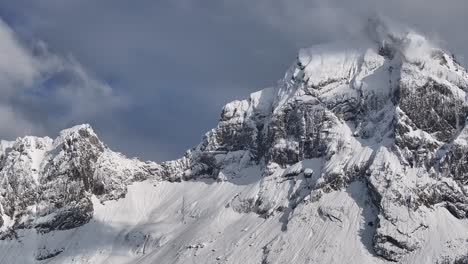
(358, 155)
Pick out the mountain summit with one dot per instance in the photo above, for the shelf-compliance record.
(358, 155)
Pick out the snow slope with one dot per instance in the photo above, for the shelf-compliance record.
(194, 222)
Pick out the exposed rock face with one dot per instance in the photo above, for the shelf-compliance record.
(391, 112)
(47, 184)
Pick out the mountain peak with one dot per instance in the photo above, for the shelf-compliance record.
(389, 112)
(82, 133)
(56, 179)
(83, 130)
(394, 39)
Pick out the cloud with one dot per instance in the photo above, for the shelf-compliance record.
(17, 67)
(308, 21)
(169, 66)
(32, 79)
(12, 125)
(78, 93)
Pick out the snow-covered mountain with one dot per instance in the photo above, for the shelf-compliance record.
(358, 155)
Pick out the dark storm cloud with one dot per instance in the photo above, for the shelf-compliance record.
(177, 62)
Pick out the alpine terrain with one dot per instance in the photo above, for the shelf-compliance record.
(358, 155)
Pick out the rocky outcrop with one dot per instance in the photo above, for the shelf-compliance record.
(391, 112)
(47, 184)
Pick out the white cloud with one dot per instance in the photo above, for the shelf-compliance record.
(13, 125)
(306, 21)
(17, 66)
(27, 71)
(83, 94)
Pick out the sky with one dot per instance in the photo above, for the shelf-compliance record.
(151, 77)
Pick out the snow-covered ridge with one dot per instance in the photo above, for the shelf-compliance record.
(357, 155)
(46, 184)
(390, 111)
